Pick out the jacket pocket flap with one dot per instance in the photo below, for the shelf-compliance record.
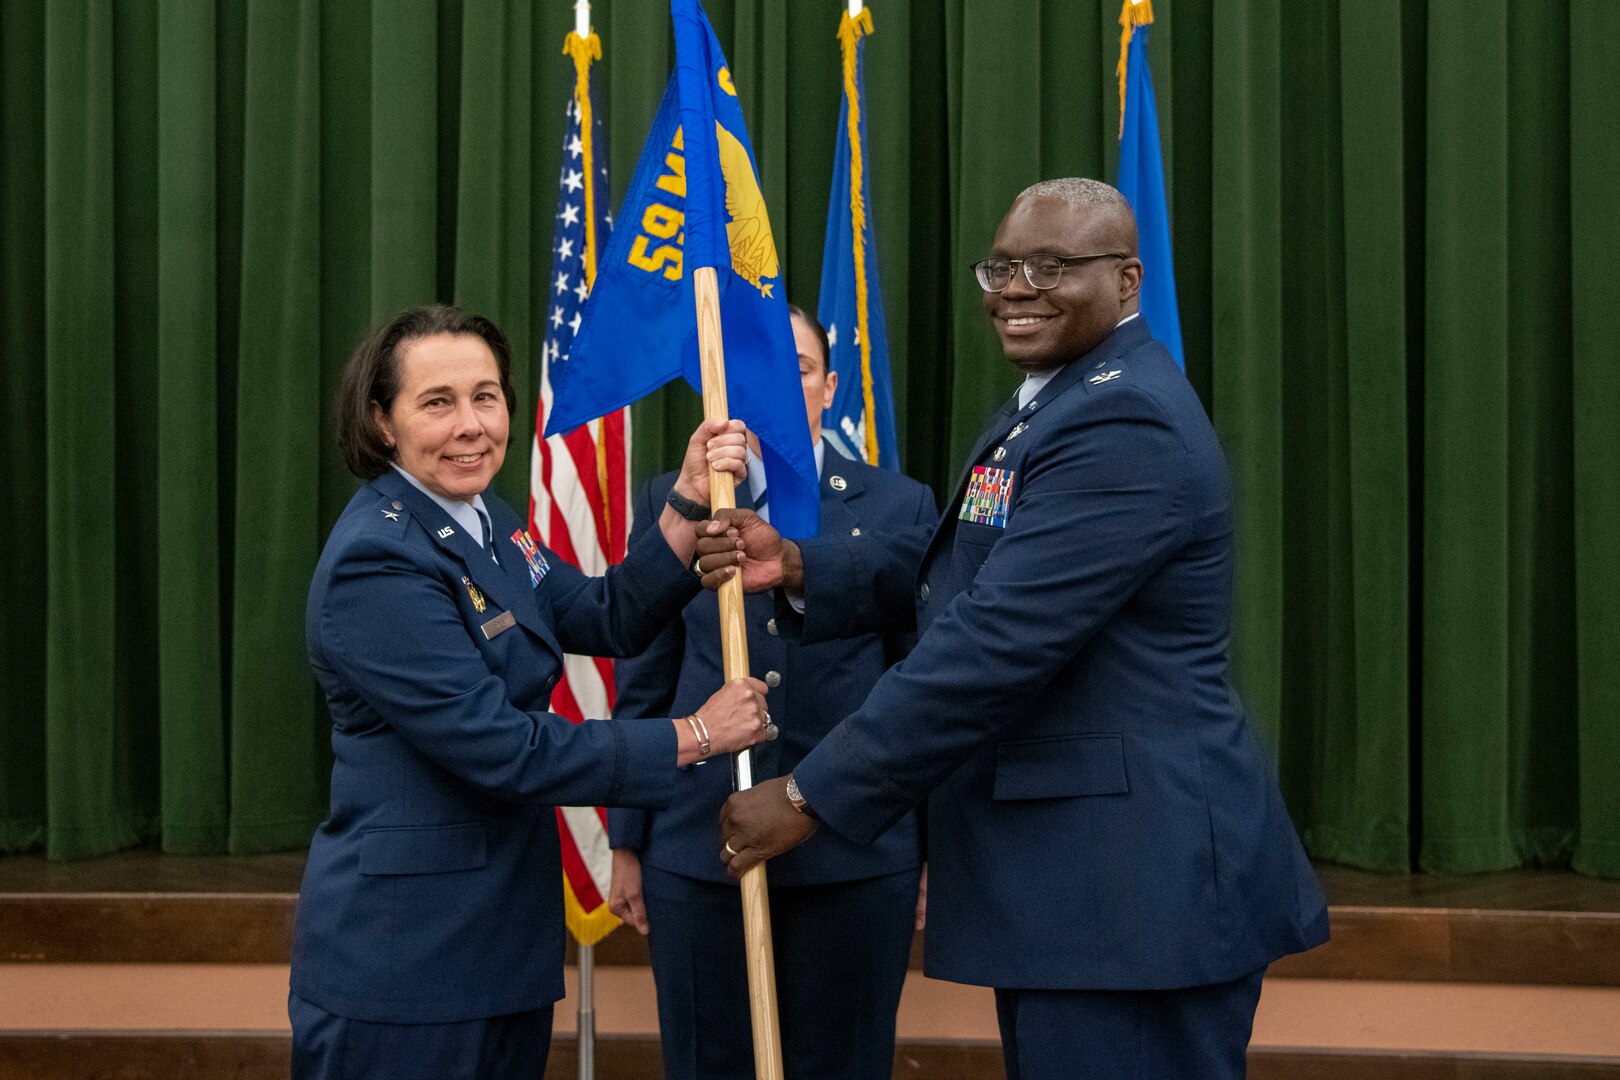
(436, 849)
(1061, 767)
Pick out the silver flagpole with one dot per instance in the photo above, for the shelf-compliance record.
(587, 953)
(587, 1012)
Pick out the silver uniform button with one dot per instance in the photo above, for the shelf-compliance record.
(773, 679)
(770, 628)
(855, 531)
(922, 591)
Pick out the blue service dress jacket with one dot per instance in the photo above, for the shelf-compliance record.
(433, 891)
(812, 687)
(1101, 816)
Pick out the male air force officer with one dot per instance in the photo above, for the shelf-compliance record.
(1107, 845)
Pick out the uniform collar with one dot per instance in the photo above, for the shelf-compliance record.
(470, 514)
(1033, 384)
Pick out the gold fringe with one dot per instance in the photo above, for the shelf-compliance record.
(850, 32)
(1135, 13)
(587, 927)
(584, 50)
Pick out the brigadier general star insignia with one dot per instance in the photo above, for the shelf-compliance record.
(390, 515)
(1105, 376)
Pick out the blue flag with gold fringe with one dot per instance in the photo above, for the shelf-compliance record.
(860, 422)
(695, 201)
(1141, 177)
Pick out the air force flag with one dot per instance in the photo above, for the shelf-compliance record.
(695, 201)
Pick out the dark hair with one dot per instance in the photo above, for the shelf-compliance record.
(821, 335)
(371, 374)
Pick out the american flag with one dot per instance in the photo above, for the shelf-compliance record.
(578, 481)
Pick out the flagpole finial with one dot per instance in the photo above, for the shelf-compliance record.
(855, 7)
(852, 26)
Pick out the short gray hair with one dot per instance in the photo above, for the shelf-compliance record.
(1092, 194)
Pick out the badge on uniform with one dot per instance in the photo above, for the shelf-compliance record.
(989, 495)
(538, 568)
(504, 621)
(477, 598)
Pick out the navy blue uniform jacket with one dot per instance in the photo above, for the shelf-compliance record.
(1102, 817)
(433, 891)
(818, 685)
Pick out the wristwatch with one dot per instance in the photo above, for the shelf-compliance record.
(795, 797)
(691, 511)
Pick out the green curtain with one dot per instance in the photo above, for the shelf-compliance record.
(1396, 248)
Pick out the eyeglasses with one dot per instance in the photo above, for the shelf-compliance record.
(1041, 271)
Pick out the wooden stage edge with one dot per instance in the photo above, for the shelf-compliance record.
(1534, 927)
(187, 1055)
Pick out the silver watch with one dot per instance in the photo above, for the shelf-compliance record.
(797, 798)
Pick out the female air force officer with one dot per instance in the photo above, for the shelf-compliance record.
(429, 935)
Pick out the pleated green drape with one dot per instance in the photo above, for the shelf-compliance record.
(1396, 235)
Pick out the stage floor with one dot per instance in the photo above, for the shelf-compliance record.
(1520, 971)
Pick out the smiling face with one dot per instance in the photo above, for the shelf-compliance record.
(818, 382)
(449, 422)
(1041, 329)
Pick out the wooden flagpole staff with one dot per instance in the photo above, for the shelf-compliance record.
(734, 654)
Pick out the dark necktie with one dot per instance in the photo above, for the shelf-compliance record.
(489, 538)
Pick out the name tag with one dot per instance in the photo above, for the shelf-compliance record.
(503, 621)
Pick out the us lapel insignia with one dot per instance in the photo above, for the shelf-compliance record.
(1001, 452)
(479, 603)
(837, 483)
(1017, 430)
(1105, 376)
(538, 567)
(446, 532)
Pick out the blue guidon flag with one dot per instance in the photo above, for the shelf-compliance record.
(695, 201)
(1141, 176)
(860, 422)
